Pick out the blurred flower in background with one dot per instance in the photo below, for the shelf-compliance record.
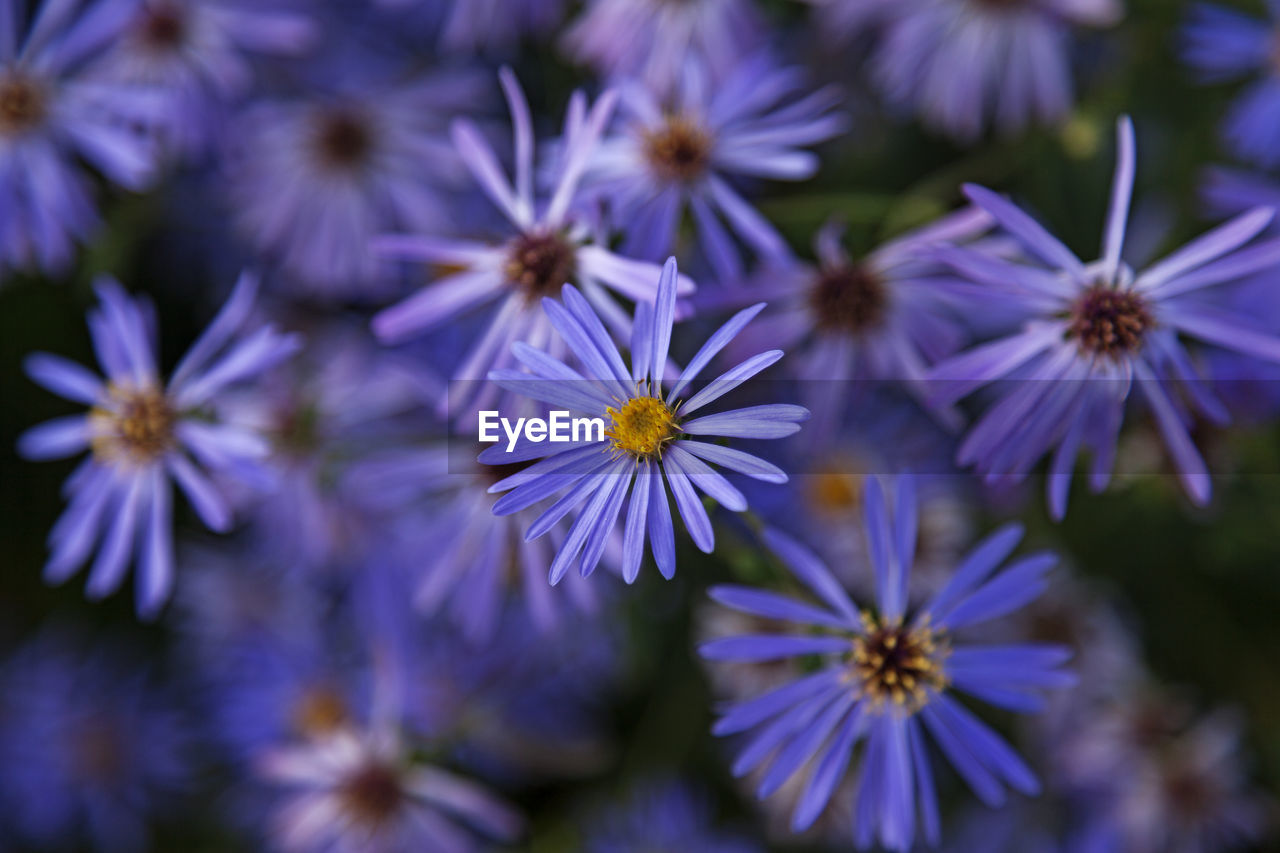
(141, 435)
(56, 110)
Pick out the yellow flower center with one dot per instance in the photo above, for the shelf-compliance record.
(320, 711)
(894, 663)
(137, 428)
(642, 426)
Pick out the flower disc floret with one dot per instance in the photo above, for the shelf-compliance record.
(641, 427)
(899, 663)
(136, 426)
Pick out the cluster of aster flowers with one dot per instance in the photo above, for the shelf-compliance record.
(380, 635)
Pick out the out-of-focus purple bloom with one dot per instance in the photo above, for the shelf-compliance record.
(1223, 44)
(662, 816)
(550, 247)
(1094, 333)
(886, 317)
(654, 39)
(198, 53)
(483, 26)
(315, 180)
(962, 64)
(1162, 779)
(367, 792)
(470, 563)
(678, 153)
(144, 435)
(54, 112)
(890, 676)
(321, 412)
(644, 439)
(93, 752)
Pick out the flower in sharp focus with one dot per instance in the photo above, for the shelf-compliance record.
(54, 112)
(96, 752)
(890, 675)
(314, 180)
(648, 435)
(198, 53)
(1222, 44)
(885, 317)
(681, 152)
(653, 39)
(365, 792)
(662, 816)
(964, 63)
(1095, 332)
(549, 247)
(143, 434)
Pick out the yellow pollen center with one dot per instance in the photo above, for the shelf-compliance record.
(895, 663)
(319, 712)
(642, 426)
(136, 426)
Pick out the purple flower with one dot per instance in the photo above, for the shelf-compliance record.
(961, 64)
(684, 152)
(54, 112)
(889, 676)
(1223, 44)
(1093, 333)
(648, 435)
(548, 248)
(846, 20)
(365, 791)
(314, 180)
(479, 563)
(662, 816)
(93, 750)
(885, 317)
(654, 39)
(198, 52)
(142, 435)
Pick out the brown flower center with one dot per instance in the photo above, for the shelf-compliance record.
(372, 795)
(343, 139)
(680, 150)
(899, 664)
(163, 27)
(22, 104)
(1110, 322)
(849, 299)
(540, 262)
(139, 427)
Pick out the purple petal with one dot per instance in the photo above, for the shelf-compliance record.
(1030, 233)
(64, 378)
(766, 647)
(736, 460)
(776, 420)
(730, 379)
(55, 439)
(806, 566)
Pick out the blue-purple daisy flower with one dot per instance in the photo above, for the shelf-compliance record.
(143, 435)
(199, 54)
(95, 751)
(368, 791)
(683, 153)
(1094, 333)
(54, 113)
(650, 435)
(890, 675)
(551, 245)
(439, 502)
(1222, 44)
(964, 64)
(885, 317)
(653, 39)
(315, 179)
